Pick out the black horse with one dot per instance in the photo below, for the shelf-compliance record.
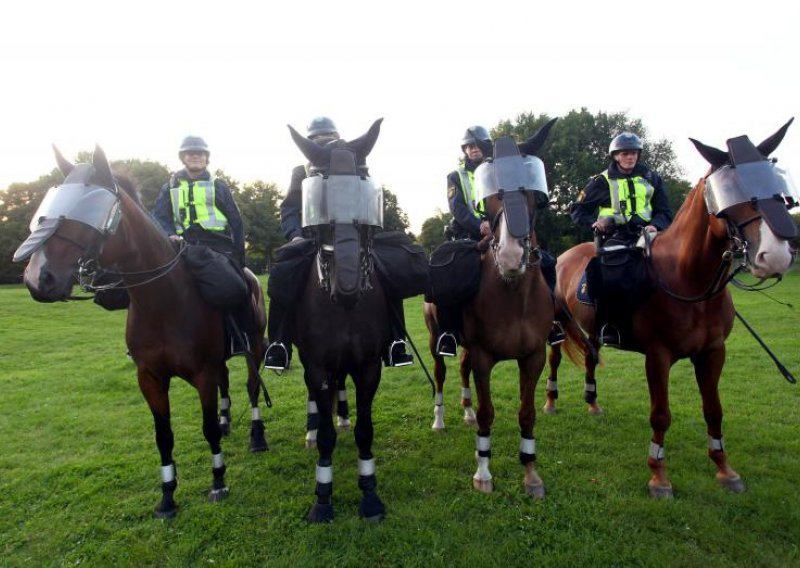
(342, 316)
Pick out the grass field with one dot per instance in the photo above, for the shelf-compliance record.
(80, 470)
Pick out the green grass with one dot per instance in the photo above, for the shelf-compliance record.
(80, 468)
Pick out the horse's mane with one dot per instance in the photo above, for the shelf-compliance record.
(684, 214)
(126, 183)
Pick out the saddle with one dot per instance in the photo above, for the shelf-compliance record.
(616, 278)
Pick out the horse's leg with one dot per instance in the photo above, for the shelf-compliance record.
(224, 404)
(207, 383)
(553, 360)
(482, 364)
(258, 442)
(464, 370)
(707, 369)
(321, 390)
(312, 413)
(342, 407)
(439, 376)
(367, 378)
(591, 360)
(657, 367)
(156, 392)
(530, 368)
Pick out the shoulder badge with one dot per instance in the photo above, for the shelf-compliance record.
(451, 191)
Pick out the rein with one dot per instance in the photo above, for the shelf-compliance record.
(89, 271)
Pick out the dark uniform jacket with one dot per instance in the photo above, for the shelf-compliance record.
(223, 199)
(465, 223)
(291, 207)
(597, 194)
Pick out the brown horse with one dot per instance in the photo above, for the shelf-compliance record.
(740, 205)
(511, 315)
(95, 220)
(341, 320)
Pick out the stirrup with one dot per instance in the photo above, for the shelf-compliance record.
(276, 356)
(609, 336)
(557, 335)
(403, 359)
(448, 350)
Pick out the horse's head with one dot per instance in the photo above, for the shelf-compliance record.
(69, 227)
(749, 191)
(342, 207)
(513, 186)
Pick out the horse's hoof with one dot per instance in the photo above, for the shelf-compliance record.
(469, 417)
(343, 424)
(549, 409)
(320, 513)
(258, 446)
(216, 495)
(225, 430)
(438, 425)
(483, 485)
(168, 513)
(371, 509)
(595, 410)
(660, 491)
(535, 491)
(732, 484)
(311, 443)
(258, 443)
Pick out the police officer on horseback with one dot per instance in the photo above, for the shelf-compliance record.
(198, 207)
(621, 202)
(321, 130)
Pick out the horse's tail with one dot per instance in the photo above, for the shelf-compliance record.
(577, 346)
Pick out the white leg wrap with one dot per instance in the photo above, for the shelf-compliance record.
(483, 473)
(216, 461)
(325, 474)
(438, 400)
(366, 467)
(715, 444)
(222, 420)
(527, 446)
(342, 394)
(483, 443)
(167, 473)
(256, 413)
(466, 394)
(590, 387)
(312, 407)
(311, 436)
(656, 451)
(552, 385)
(224, 403)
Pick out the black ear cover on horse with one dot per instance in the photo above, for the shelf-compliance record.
(532, 145)
(63, 164)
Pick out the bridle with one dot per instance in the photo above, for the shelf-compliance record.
(531, 257)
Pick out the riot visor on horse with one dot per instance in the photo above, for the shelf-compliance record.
(739, 208)
(90, 223)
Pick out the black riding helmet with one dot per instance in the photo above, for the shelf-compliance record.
(322, 127)
(625, 141)
(193, 144)
(479, 136)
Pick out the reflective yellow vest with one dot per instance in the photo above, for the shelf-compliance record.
(468, 190)
(629, 196)
(193, 204)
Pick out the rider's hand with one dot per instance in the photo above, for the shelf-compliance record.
(651, 228)
(486, 229)
(602, 225)
(295, 239)
(175, 238)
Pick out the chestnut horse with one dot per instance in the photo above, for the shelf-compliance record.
(95, 220)
(739, 206)
(341, 320)
(512, 313)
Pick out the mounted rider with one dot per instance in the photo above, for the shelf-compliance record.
(293, 261)
(471, 223)
(621, 202)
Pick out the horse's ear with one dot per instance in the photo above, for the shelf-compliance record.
(310, 149)
(532, 145)
(102, 168)
(768, 146)
(63, 164)
(363, 145)
(713, 156)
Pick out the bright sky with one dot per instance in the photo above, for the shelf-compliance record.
(135, 77)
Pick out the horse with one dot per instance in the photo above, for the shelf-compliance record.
(739, 206)
(342, 316)
(95, 223)
(511, 315)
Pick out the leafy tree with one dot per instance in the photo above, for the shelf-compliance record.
(149, 177)
(394, 218)
(432, 234)
(259, 204)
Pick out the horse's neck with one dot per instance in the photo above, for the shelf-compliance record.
(691, 248)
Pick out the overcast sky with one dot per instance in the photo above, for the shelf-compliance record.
(135, 77)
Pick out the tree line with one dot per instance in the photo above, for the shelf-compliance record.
(576, 151)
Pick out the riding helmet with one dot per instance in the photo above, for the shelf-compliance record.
(193, 143)
(625, 141)
(322, 126)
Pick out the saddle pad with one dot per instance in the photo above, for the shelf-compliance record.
(582, 293)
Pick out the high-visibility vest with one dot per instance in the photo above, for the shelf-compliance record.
(193, 204)
(629, 196)
(468, 190)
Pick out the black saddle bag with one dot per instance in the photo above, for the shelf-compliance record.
(401, 264)
(455, 273)
(113, 298)
(289, 271)
(618, 275)
(219, 279)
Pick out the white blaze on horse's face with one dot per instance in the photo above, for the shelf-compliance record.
(773, 256)
(509, 253)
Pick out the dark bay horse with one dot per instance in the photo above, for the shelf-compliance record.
(342, 317)
(95, 220)
(739, 206)
(512, 313)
